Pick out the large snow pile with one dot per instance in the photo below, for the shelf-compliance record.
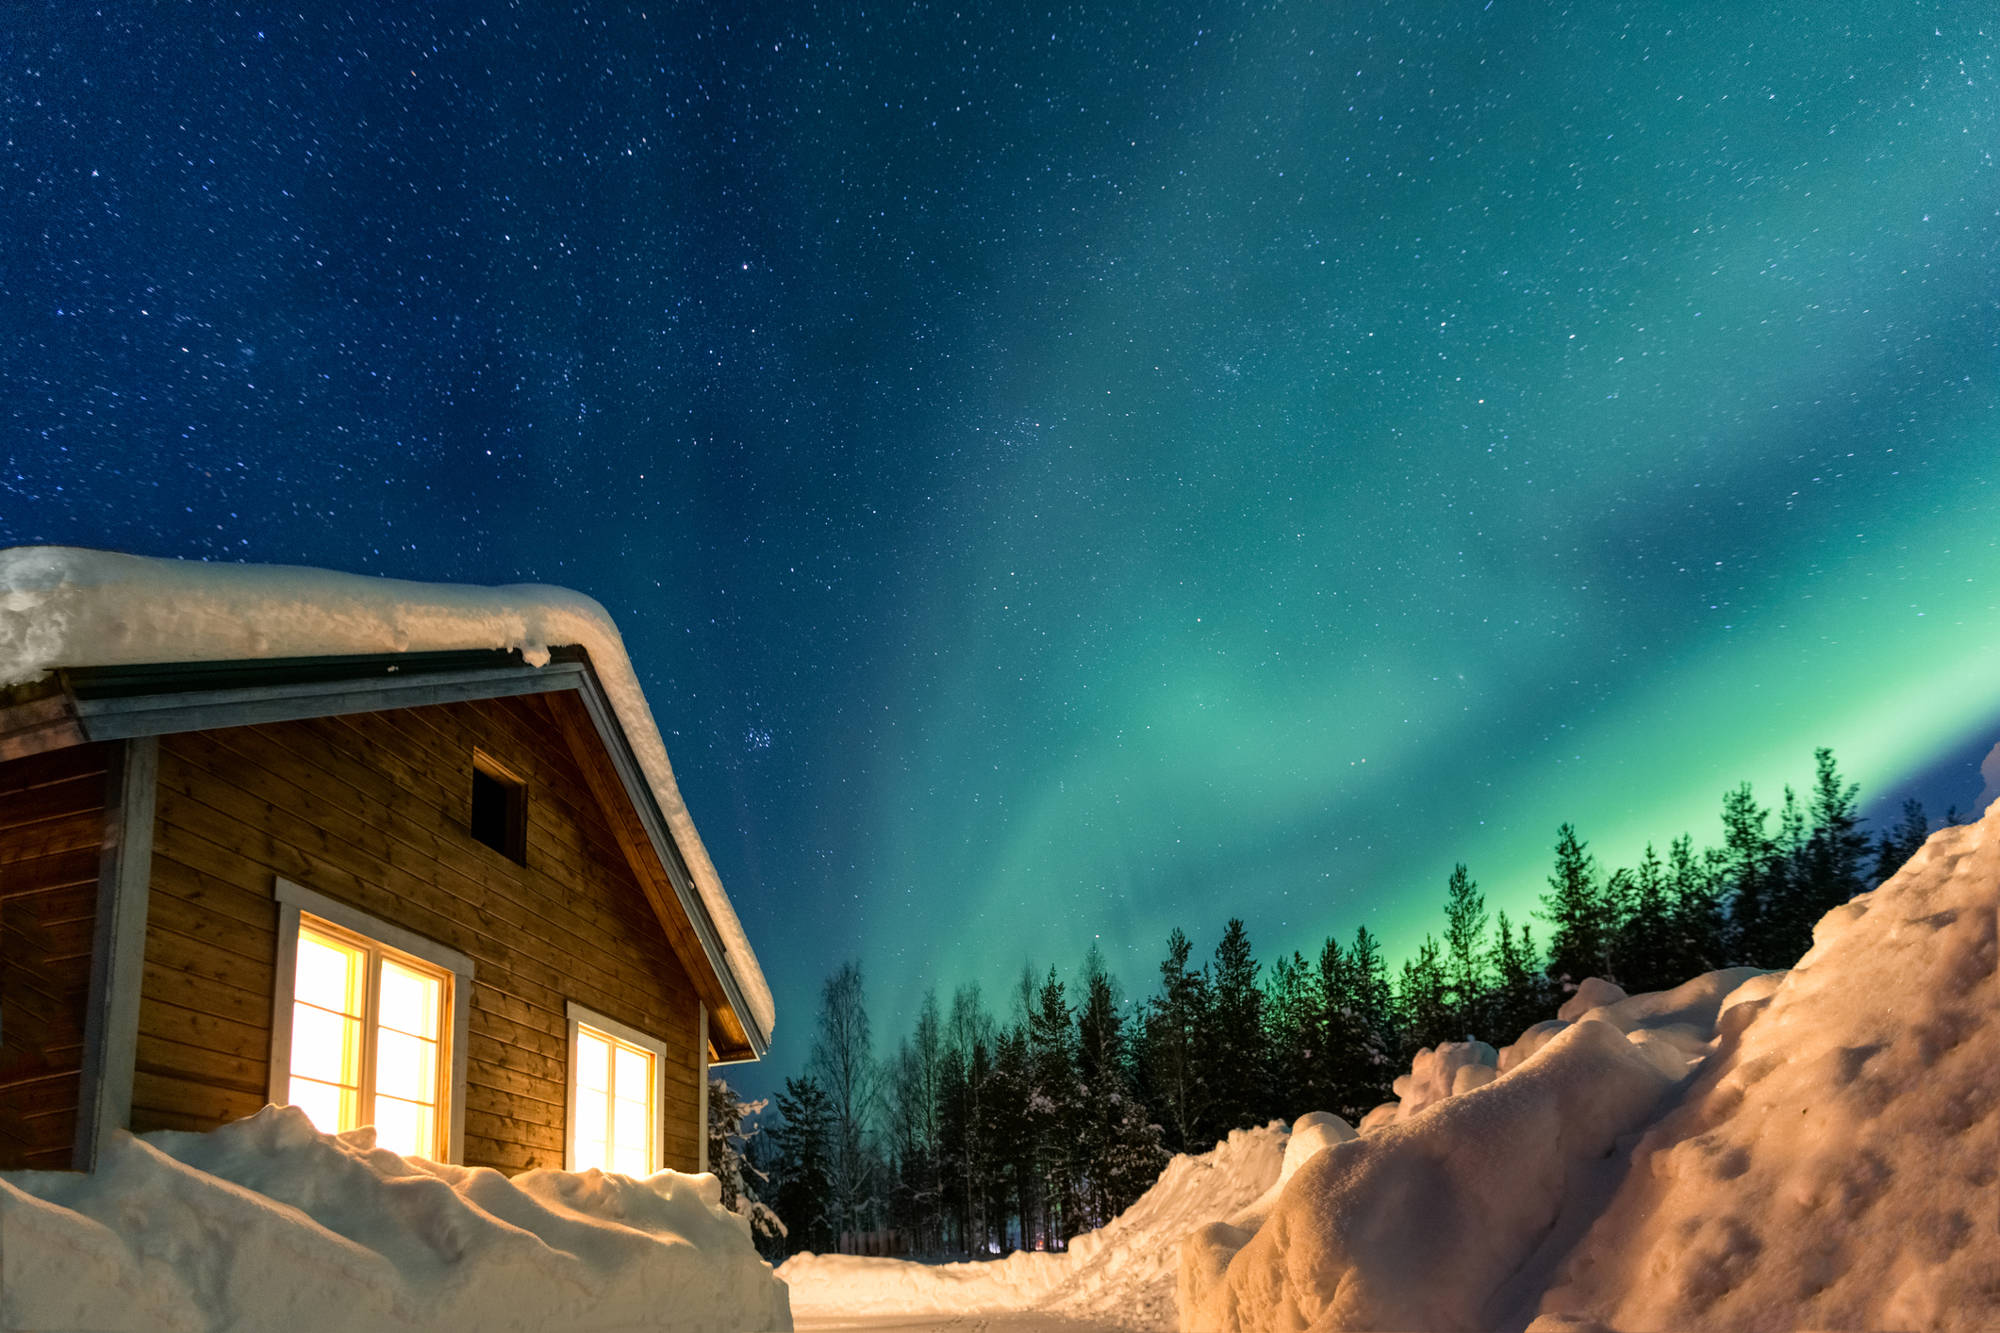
(1426, 1220)
(66, 607)
(1123, 1273)
(268, 1224)
(1834, 1166)
(1810, 1149)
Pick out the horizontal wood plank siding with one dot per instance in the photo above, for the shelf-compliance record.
(51, 837)
(373, 810)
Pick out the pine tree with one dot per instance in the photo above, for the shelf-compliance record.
(1746, 871)
(1835, 849)
(1464, 954)
(1423, 1004)
(1290, 1036)
(1898, 844)
(1234, 1059)
(1120, 1154)
(1642, 959)
(1521, 995)
(730, 1131)
(1009, 1132)
(1053, 1110)
(803, 1166)
(1696, 916)
(1368, 1067)
(1336, 1030)
(1576, 910)
(1175, 1021)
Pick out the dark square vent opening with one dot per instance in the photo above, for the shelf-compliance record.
(499, 809)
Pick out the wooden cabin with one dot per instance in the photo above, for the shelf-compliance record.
(428, 891)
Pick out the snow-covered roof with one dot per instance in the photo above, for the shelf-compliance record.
(70, 607)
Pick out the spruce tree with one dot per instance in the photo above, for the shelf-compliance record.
(1290, 1036)
(1009, 1134)
(1336, 1030)
(1120, 1154)
(1746, 873)
(1372, 1063)
(1520, 989)
(1175, 1023)
(1464, 952)
(803, 1166)
(1575, 909)
(1053, 1109)
(1901, 842)
(1643, 959)
(1423, 1001)
(1836, 849)
(1234, 1057)
(1695, 913)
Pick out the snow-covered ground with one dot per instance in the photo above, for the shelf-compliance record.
(1121, 1275)
(1818, 1148)
(268, 1224)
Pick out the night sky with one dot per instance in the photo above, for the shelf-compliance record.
(1067, 474)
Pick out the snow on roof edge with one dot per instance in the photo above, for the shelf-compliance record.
(65, 606)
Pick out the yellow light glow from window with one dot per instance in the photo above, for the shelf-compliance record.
(367, 1041)
(327, 1004)
(614, 1104)
(407, 1011)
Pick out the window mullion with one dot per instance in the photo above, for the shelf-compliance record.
(611, 1101)
(370, 1036)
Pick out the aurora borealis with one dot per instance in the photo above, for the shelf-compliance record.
(1067, 475)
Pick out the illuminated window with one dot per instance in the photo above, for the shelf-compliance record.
(369, 1026)
(616, 1078)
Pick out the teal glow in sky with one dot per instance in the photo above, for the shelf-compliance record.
(1069, 476)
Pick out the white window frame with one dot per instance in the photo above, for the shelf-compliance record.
(580, 1016)
(295, 900)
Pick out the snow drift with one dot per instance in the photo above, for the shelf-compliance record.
(1122, 1273)
(1810, 1149)
(1834, 1165)
(66, 607)
(267, 1224)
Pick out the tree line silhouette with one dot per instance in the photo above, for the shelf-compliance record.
(979, 1134)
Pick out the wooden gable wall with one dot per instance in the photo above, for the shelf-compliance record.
(51, 835)
(373, 809)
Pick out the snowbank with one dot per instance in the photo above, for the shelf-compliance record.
(267, 1224)
(1122, 1273)
(1487, 1163)
(68, 607)
(1835, 1164)
(1811, 1149)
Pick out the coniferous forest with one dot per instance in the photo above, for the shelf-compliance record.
(993, 1126)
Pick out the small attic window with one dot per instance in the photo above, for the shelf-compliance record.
(499, 808)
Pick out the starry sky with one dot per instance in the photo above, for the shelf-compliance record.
(1067, 473)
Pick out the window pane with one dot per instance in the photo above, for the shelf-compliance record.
(330, 1109)
(404, 1127)
(593, 1061)
(329, 974)
(634, 1073)
(326, 1047)
(409, 1000)
(592, 1111)
(632, 1161)
(632, 1131)
(405, 1067)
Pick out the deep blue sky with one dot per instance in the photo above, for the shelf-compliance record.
(1074, 473)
